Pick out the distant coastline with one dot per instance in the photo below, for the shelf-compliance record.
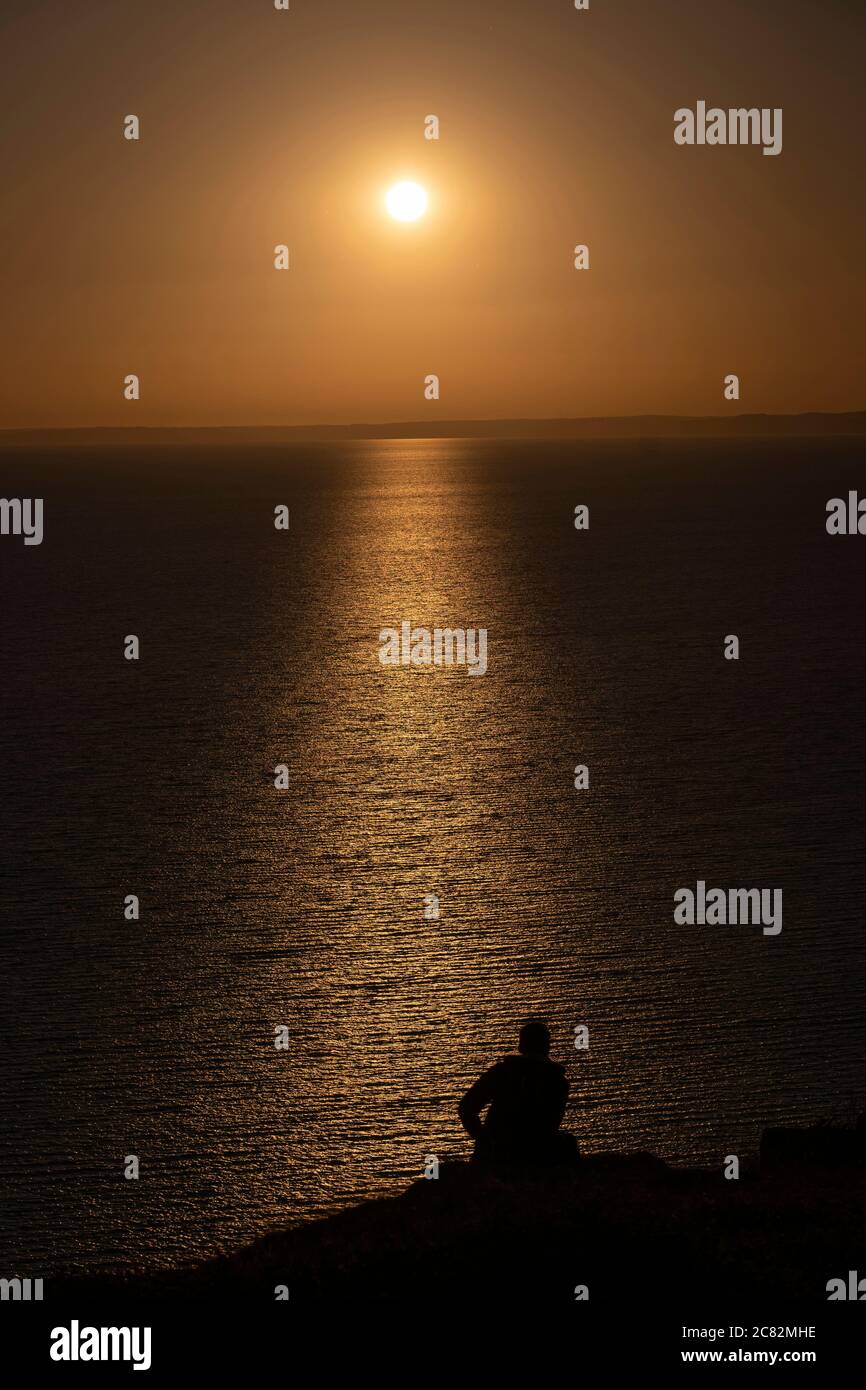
(810, 425)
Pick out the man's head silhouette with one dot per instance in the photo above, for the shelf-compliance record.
(534, 1038)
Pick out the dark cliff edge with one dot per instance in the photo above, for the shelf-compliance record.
(625, 1226)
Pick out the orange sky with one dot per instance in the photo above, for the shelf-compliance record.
(261, 127)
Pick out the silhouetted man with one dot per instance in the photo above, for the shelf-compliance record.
(526, 1095)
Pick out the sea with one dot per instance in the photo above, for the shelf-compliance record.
(316, 971)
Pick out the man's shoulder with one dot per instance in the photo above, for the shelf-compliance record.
(503, 1069)
(558, 1075)
(498, 1069)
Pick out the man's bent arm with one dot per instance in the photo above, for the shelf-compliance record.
(473, 1103)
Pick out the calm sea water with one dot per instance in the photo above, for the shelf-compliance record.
(305, 908)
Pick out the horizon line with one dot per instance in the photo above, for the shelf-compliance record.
(761, 422)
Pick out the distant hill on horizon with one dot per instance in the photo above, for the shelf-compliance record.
(813, 424)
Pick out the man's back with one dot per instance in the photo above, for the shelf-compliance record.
(527, 1097)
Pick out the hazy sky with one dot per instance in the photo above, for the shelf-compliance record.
(261, 127)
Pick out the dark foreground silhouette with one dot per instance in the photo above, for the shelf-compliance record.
(635, 1232)
(525, 1096)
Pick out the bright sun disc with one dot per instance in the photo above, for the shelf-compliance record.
(406, 201)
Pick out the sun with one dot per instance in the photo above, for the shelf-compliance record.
(406, 201)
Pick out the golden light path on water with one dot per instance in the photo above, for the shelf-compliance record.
(423, 781)
(414, 761)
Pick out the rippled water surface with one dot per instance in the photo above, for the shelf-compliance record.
(305, 908)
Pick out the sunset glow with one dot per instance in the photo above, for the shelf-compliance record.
(406, 201)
